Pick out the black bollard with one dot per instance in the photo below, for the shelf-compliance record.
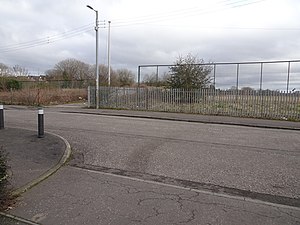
(1, 117)
(41, 123)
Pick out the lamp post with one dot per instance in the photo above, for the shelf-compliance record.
(108, 53)
(97, 69)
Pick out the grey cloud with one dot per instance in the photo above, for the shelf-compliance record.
(26, 20)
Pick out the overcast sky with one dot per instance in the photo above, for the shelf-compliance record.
(37, 34)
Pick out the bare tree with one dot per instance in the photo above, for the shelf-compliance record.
(125, 78)
(103, 75)
(4, 70)
(121, 77)
(155, 80)
(150, 79)
(70, 69)
(20, 71)
(74, 70)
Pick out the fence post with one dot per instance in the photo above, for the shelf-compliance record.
(40, 123)
(89, 96)
(288, 77)
(1, 117)
(147, 99)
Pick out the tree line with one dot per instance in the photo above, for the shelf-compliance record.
(187, 72)
(68, 70)
(73, 69)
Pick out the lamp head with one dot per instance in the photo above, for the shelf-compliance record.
(90, 7)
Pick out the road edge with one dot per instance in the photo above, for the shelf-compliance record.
(19, 219)
(185, 120)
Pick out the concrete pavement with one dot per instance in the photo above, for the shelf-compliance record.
(31, 160)
(226, 120)
(77, 196)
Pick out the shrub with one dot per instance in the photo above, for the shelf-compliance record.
(7, 83)
(4, 192)
(43, 96)
(13, 84)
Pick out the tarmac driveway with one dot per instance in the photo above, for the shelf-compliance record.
(257, 160)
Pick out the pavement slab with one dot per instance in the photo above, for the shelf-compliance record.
(29, 156)
(77, 196)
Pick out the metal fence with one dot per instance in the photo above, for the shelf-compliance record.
(273, 75)
(239, 103)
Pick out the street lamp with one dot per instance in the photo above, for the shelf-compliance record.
(97, 69)
(108, 53)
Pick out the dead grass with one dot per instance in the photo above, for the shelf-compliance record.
(45, 96)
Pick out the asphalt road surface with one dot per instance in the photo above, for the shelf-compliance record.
(231, 160)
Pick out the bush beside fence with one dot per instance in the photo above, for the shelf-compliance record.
(45, 92)
(258, 104)
(42, 96)
(4, 192)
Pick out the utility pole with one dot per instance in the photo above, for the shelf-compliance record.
(97, 66)
(108, 52)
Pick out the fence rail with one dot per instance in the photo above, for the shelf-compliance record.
(239, 103)
(279, 75)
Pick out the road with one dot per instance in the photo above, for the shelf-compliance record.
(162, 160)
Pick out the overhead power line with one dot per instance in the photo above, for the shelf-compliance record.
(187, 12)
(148, 19)
(46, 40)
